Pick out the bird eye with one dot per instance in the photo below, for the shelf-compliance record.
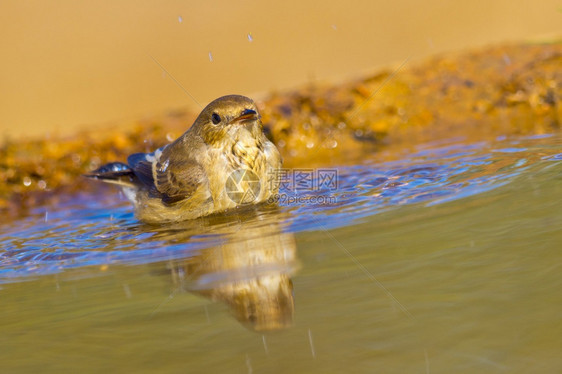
(216, 118)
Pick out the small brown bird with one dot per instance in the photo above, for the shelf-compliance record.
(224, 160)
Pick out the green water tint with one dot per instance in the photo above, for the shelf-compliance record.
(446, 260)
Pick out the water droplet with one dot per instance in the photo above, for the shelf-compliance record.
(127, 290)
(180, 19)
(95, 162)
(76, 158)
(210, 56)
(309, 145)
(250, 37)
(207, 314)
(164, 166)
(26, 181)
(265, 345)
(169, 137)
(506, 59)
(311, 344)
(42, 184)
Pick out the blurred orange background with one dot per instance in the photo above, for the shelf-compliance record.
(67, 65)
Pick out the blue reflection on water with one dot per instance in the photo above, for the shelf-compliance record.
(99, 229)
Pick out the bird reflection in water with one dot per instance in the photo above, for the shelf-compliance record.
(249, 271)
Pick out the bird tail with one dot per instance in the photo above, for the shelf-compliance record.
(114, 172)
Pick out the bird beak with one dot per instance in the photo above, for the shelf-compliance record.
(247, 115)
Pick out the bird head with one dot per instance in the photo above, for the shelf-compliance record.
(227, 119)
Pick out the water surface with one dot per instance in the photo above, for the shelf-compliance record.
(446, 259)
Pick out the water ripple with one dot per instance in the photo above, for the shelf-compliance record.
(99, 230)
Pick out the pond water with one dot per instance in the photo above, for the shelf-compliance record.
(445, 259)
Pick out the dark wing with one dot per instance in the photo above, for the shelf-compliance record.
(179, 180)
(171, 178)
(141, 164)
